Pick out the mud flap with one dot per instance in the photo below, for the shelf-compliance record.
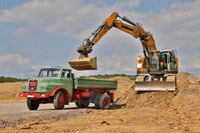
(168, 85)
(84, 63)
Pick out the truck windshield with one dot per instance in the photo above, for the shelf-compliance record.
(49, 73)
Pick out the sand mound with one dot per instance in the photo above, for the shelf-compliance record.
(186, 99)
(10, 91)
(124, 84)
(186, 80)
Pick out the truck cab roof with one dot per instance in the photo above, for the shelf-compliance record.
(55, 71)
(56, 67)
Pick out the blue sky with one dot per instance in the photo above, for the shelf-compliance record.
(46, 33)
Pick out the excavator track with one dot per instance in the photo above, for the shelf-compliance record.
(169, 84)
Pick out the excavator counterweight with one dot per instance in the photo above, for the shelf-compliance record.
(85, 63)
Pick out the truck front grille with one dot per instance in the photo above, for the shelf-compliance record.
(33, 85)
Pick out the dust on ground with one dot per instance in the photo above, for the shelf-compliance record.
(144, 112)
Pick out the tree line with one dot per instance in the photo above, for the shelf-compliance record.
(4, 79)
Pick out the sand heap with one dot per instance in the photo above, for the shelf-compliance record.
(186, 80)
(124, 84)
(10, 91)
(186, 100)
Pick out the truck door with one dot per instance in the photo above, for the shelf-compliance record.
(67, 81)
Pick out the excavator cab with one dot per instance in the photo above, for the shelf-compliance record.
(84, 63)
(161, 75)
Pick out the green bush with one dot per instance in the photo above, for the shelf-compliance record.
(10, 79)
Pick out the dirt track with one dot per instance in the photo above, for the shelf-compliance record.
(144, 112)
(13, 114)
(8, 108)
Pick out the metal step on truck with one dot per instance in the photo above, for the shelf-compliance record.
(58, 85)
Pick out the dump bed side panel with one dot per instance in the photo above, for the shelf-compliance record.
(93, 83)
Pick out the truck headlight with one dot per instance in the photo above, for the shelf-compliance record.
(42, 95)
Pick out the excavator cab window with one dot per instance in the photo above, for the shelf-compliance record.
(163, 62)
(154, 63)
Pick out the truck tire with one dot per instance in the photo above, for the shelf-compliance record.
(97, 101)
(32, 104)
(59, 100)
(82, 103)
(77, 103)
(103, 101)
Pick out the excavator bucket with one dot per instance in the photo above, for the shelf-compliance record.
(148, 85)
(86, 63)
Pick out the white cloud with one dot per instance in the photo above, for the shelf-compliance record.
(191, 61)
(22, 32)
(18, 59)
(118, 64)
(126, 4)
(69, 17)
(115, 64)
(18, 65)
(177, 26)
(174, 27)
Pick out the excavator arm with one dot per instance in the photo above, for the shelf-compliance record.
(135, 29)
(88, 43)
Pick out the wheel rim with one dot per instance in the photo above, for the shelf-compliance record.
(106, 102)
(61, 100)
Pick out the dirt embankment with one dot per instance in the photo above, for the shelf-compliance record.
(10, 91)
(185, 103)
(187, 97)
(144, 112)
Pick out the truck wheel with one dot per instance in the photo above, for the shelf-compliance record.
(59, 100)
(77, 103)
(97, 101)
(82, 103)
(32, 104)
(104, 101)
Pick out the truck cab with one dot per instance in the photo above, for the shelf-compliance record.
(57, 76)
(51, 81)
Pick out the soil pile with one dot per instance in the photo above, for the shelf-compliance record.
(126, 95)
(186, 100)
(124, 85)
(10, 91)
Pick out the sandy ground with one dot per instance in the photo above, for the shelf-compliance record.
(8, 108)
(144, 112)
(9, 92)
(14, 114)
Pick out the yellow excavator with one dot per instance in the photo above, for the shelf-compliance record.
(156, 71)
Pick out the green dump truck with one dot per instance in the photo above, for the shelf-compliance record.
(58, 85)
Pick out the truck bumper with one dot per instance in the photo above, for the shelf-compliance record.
(35, 95)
